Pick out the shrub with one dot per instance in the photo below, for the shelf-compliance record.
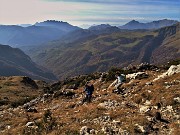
(72, 132)
(21, 101)
(48, 121)
(3, 102)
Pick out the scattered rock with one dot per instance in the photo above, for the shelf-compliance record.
(66, 93)
(149, 83)
(144, 108)
(29, 124)
(31, 110)
(85, 130)
(109, 104)
(139, 129)
(8, 127)
(177, 100)
(147, 102)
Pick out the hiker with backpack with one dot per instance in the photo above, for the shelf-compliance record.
(120, 79)
(89, 89)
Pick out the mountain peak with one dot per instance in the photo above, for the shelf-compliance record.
(50, 22)
(58, 25)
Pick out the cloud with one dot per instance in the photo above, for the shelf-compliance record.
(87, 11)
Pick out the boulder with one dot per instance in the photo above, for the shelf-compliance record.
(85, 130)
(171, 71)
(177, 100)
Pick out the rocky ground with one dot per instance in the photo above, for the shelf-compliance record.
(148, 103)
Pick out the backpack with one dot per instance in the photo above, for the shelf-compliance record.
(123, 78)
(91, 88)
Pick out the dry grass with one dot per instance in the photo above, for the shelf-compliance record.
(69, 114)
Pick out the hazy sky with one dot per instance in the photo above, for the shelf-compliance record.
(78, 12)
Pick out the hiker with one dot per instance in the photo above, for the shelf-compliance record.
(120, 79)
(89, 88)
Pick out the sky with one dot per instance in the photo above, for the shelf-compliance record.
(79, 12)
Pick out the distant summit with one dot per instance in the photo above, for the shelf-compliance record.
(64, 26)
(151, 25)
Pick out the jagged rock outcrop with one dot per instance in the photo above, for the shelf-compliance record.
(172, 70)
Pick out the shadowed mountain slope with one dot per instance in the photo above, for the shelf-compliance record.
(14, 62)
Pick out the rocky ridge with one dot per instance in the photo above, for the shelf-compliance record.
(146, 105)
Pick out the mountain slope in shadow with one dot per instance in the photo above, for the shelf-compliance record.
(13, 62)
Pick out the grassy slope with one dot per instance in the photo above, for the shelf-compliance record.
(14, 91)
(71, 117)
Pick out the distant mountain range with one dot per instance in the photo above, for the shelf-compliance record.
(69, 50)
(43, 32)
(13, 62)
(36, 34)
(100, 52)
(151, 25)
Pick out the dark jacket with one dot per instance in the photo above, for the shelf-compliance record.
(89, 90)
